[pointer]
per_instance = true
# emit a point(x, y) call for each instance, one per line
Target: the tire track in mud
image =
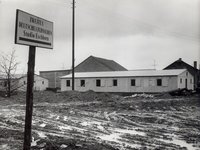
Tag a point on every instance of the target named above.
point(123, 129)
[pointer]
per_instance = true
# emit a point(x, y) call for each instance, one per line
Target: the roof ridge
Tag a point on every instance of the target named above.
point(102, 58)
point(170, 72)
point(181, 61)
point(105, 63)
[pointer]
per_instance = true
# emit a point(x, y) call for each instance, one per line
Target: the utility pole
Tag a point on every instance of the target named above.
point(154, 64)
point(73, 41)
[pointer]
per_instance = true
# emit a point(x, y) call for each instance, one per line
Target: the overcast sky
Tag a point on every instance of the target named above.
point(134, 33)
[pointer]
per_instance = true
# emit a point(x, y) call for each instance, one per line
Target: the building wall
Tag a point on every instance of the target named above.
point(142, 84)
point(2, 85)
point(186, 77)
point(179, 64)
point(40, 84)
point(54, 77)
point(20, 84)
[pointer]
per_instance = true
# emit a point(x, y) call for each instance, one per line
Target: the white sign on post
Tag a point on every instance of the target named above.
point(33, 31)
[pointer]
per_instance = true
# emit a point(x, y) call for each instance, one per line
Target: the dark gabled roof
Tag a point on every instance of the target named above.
point(92, 64)
point(114, 66)
point(179, 64)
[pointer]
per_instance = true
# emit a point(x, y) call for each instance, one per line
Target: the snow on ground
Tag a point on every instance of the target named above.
point(123, 125)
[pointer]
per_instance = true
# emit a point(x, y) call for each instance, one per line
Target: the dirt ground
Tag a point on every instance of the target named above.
point(102, 121)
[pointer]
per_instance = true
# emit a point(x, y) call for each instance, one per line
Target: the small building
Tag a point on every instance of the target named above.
point(53, 77)
point(19, 83)
point(91, 64)
point(148, 81)
point(193, 70)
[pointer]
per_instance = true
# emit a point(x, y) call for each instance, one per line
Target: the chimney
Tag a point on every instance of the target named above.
point(195, 64)
point(180, 59)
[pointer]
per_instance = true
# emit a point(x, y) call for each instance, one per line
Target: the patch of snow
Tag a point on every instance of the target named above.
point(34, 142)
point(114, 137)
point(65, 118)
point(128, 131)
point(41, 134)
point(65, 127)
point(100, 127)
point(34, 122)
point(140, 95)
point(92, 124)
point(174, 128)
point(106, 115)
point(182, 143)
point(63, 146)
point(85, 123)
point(43, 125)
point(51, 116)
point(111, 137)
point(4, 147)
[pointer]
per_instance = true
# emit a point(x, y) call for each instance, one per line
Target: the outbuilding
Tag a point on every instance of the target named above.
point(19, 83)
point(193, 70)
point(139, 81)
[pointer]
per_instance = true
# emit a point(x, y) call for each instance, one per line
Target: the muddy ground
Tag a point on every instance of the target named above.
point(92, 121)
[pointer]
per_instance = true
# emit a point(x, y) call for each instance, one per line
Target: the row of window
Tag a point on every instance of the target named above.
point(34, 82)
point(181, 80)
point(114, 82)
point(5, 83)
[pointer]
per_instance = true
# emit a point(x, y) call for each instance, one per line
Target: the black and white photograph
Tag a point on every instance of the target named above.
point(100, 75)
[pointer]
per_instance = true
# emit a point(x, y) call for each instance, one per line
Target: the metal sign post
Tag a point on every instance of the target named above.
point(35, 32)
point(29, 98)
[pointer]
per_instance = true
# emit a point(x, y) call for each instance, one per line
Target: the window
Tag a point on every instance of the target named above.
point(67, 82)
point(24, 82)
point(114, 82)
point(191, 81)
point(98, 82)
point(132, 82)
point(42, 82)
point(82, 83)
point(159, 82)
point(181, 80)
point(151, 82)
point(186, 73)
point(5, 83)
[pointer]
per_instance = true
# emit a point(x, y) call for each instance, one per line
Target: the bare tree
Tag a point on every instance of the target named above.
point(8, 67)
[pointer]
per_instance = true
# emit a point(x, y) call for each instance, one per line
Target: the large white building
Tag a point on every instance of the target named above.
point(148, 81)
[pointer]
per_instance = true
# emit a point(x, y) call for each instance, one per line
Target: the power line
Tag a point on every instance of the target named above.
point(147, 26)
